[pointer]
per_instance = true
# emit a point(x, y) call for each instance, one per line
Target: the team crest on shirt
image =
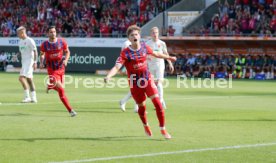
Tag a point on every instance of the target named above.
point(22, 48)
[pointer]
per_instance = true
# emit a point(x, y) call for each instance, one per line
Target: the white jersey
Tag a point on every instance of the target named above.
point(160, 47)
point(26, 48)
point(126, 44)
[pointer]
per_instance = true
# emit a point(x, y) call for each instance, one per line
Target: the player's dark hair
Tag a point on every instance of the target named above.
point(50, 27)
point(133, 28)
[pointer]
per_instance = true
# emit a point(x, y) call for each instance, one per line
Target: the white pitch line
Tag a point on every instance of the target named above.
point(47, 103)
point(170, 153)
point(111, 101)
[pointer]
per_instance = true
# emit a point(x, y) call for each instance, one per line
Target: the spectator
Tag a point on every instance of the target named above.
point(170, 31)
point(3, 60)
point(273, 23)
point(179, 63)
point(191, 62)
point(76, 14)
point(243, 17)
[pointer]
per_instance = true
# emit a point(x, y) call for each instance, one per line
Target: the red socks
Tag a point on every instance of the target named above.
point(159, 111)
point(63, 98)
point(142, 114)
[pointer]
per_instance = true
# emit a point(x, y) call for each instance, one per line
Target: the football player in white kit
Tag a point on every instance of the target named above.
point(156, 66)
point(28, 52)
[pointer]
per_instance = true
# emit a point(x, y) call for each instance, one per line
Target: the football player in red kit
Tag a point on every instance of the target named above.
point(140, 80)
point(52, 51)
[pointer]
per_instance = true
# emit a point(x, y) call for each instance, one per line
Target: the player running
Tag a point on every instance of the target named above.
point(156, 68)
point(157, 65)
point(124, 100)
point(140, 79)
point(52, 50)
point(28, 52)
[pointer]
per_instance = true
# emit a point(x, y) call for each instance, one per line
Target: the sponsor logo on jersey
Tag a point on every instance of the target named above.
point(138, 65)
point(54, 55)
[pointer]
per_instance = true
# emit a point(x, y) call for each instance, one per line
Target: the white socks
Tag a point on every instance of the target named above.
point(33, 95)
point(126, 98)
point(160, 91)
point(162, 128)
point(26, 93)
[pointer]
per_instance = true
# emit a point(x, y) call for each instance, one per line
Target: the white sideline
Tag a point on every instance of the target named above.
point(170, 153)
point(173, 99)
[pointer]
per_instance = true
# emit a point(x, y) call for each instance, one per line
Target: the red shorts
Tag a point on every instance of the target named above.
point(55, 76)
point(139, 93)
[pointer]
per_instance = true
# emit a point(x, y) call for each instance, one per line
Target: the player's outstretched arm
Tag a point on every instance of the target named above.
point(164, 56)
point(171, 68)
point(112, 72)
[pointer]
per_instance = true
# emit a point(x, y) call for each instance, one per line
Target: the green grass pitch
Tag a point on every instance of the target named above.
point(207, 125)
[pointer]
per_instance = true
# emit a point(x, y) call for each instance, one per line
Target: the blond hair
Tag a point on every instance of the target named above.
point(20, 28)
point(153, 28)
point(133, 28)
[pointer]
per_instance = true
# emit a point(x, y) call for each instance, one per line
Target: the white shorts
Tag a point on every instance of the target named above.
point(27, 70)
point(157, 70)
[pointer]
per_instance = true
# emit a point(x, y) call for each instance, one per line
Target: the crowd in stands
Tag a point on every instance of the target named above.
point(223, 65)
point(243, 17)
point(86, 18)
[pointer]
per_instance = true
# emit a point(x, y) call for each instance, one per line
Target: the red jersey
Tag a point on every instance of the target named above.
point(135, 61)
point(54, 53)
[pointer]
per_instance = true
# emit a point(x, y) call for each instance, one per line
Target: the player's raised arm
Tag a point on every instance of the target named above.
point(171, 68)
point(119, 63)
point(159, 55)
point(164, 56)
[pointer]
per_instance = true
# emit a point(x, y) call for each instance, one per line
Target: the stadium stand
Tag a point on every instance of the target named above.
point(240, 18)
point(222, 65)
point(230, 18)
point(87, 18)
point(110, 18)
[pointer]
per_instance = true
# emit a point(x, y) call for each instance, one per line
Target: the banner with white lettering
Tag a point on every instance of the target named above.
point(87, 59)
point(82, 59)
point(180, 19)
point(72, 42)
